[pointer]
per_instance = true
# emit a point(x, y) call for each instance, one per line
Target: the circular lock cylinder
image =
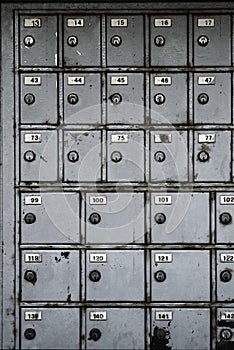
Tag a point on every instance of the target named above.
point(30, 276)
point(95, 334)
point(72, 98)
point(30, 218)
point(29, 156)
point(159, 99)
point(95, 276)
point(159, 41)
point(30, 333)
point(225, 218)
point(203, 156)
point(94, 218)
point(203, 98)
point(226, 334)
point(29, 41)
point(203, 40)
point(116, 99)
point(160, 156)
point(160, 218)
point(160, 276)
point(160, 333)
point(116, 41)
point(73, 156)
point(29, 99)
point(116, 156)
point(72, 41)
point(225, 276)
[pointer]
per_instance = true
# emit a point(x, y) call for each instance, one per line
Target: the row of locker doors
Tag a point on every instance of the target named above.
point(125, 328)
point(126, 154)
point(120, 275)
point(125, 96)
point(120, 218)
point(167, 40)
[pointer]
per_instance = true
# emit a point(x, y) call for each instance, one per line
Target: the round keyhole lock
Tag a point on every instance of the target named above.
point(30, 218)
point(29, 99)
point(226, 334)
point(225, 276)
point(116, 99)
point(160, 276)
point(30, 333)
point(203, 99)
point(116, 40)
point(203, 156)
point(29, 41)
point(225, 218)
point(159, 40)
point(160, 218)
point(94, 276)
point(159, 99)
point(72, 40)
point(160, 156)
point(30, 276)
point(95, 334)
point(72, 99)
point(160, 333)
point(116, 157)
point(73, 156)
point(95, 218)
point(29, 156)
point(203, 40)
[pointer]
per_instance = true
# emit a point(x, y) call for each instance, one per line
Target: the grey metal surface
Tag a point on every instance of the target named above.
point(189, 270)
point(61, 228)
point(58, 328)
point(187, 218)
point(122, 329)
point(58, 276)
point(45, 108)
point(131, 50)
point(122, 268)
point(122, 218)
point(194, 324)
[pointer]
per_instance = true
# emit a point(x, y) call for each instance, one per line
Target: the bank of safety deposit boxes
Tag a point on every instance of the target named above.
point(124, 178)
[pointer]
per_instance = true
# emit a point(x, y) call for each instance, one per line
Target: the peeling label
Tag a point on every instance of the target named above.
point(163, 138)
point(119, 138)
point(32, 22)
point(206, 138)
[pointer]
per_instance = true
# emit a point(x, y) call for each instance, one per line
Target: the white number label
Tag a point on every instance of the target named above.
point(206, 138)
point(123, 80)
point(162, 200)
point(98, 316)
point(226, 199)
point(164, 316)
point(97, 200)
point(32, 22)
point(227, 315)
point(97, 258)
point(118, 138)
point(163, 138)
point(32, 80)
point(32, 258)
point(163, 258)
point(119, 22)
point(75, 80)
point(227, 258)
point(206, 22)
point(32, 200)
point(33, 315)
point(162, 22)
point(206, 80)
point(32, 138)
point(162, 80)
point(75, 22)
